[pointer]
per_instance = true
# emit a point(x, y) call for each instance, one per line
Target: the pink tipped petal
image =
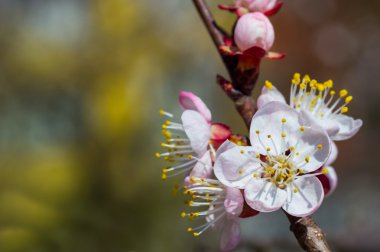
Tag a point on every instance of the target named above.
point(274, 10)
point(254, 29)
point(333, 154)
point(275, 55)
point(269, 95)
point(307, 199)
point(197, 130)
point(234, 201)
point(220, 132)
point(230, 235)
point(227, 7)
point(348, 127)
point(203, 168)
point(224, 147)
point(263, 196)
point(329, 181)
point(268, 121)
point(188, 100)
point(234, 169)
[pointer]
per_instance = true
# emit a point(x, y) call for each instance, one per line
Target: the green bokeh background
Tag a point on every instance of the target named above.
point(81, 83)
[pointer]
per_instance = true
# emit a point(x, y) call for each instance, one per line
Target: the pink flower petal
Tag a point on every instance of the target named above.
point(188, 100)
point(308, 198)
point(263, 196)
point(269, 95)
point(234, 201)
point(203, 168)
point(254, 29)
point(230, 235)
point(220, 132)
point(197, 130)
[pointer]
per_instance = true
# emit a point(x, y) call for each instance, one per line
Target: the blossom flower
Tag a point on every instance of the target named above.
point(278, 170)
point(223, 207)
point(253, 38)
point(191, 143)
point(241, 7)
point(329, 179)
point(318, 101)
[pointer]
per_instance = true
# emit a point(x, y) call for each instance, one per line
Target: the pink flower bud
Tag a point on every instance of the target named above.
point(256, 5)
point(254, 29)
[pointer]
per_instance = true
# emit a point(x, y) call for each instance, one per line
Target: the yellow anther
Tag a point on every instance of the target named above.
point(162, 144)
point(307, 159)
point(283, 175)
point(166, 133)
point(321, 115)
point(306, 78)
point(242, 151)
point(183, 214)
point(291, 148)
point(332, 92)
point(269, 136)
point(313, 84)
point(268, 85)
point(320, 146)
point(168, 122)
point(158, 155)
point(324, 170)
point(190, 156)
point(240, 171)
point(257, 131)
point(344, 110)
point(329, 83)
point(302, 128)
point(163, 126)
point(283, 135)
point(298, 105)
point(192, 179)
point(162, 112)
point(268, 149)
point(189, 229)
point(257, 155)
point(191, 203)
point(297, 153)
point(297, 76)
point(255, 175)
point(301, 171)
point(348, 99)
point(295, 190)
point(164, 176)
point(165, 170)
point(343, 93)
point(283, 120)
point(320, 87)
point(196, 234)
point(303, 86)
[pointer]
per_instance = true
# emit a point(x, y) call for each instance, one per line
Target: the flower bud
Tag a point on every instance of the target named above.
point(254, 29)
point(256, 5)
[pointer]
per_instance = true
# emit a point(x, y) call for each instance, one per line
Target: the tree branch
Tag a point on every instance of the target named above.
point(309, 235)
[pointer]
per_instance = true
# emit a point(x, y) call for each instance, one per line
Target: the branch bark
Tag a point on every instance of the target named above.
point(309, 235)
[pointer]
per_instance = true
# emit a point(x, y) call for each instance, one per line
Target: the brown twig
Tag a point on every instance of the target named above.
point(309, 235)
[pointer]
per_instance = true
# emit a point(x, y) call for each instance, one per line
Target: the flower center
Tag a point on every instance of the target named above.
point(280, 171)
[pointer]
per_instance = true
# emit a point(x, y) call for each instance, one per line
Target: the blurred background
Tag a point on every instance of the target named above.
point(81, 83)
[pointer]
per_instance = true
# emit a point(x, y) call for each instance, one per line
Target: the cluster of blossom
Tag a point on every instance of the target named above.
point(286, 161)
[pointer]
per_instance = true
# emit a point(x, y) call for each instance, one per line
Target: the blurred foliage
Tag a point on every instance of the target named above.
point(80, 86)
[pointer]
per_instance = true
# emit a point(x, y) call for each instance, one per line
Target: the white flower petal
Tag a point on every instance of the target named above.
point(329, 180)
point(268, 121)
point(269, 95)
point(203, 168)
point(224, 147)
point(263, 196)
point(235, 169)
point(308, 198)
point(234, 201)
point(197, 130)
point(348, 127)
point(230, 235)
point(333, 154)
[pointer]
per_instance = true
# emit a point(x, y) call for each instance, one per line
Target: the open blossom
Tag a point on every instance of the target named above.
point(329, 179)
point(241, 7)
point(191, 143)
point(326, 106)
point(219, 207)
point(278, 170)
